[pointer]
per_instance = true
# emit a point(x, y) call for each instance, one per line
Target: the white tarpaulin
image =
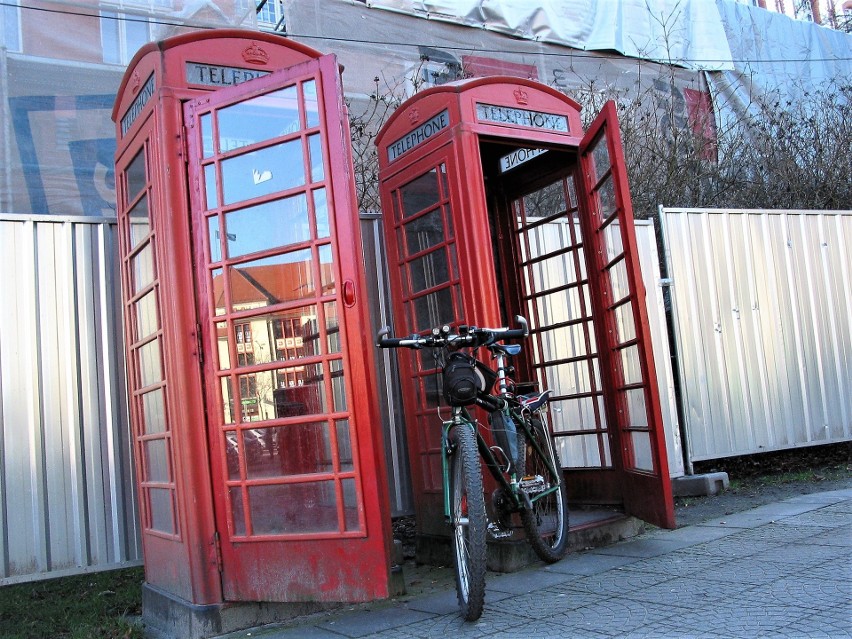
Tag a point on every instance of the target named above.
point(683, 32)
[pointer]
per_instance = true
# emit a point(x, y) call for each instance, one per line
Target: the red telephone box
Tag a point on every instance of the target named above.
point(497, 203)
point(259, 460)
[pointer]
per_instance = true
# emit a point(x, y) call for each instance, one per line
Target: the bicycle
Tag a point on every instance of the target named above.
point(523, 461)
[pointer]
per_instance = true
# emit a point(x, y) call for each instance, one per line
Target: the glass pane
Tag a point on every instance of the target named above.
point(618, 280)
point(238, 510)
point(315, 149)
point(156, 461)
point(321, 212)
point(344, 445)
point(332, 327)
point(265, 226)
point(161, 510)
point(207, 135)
point(150, 368)
point(294, 508)
point(279, 336)
point(135, 172)
point(259, 173)
point(429, 271)
point(142, 268)
point(218, 285)
point(350, 504)
point(282, 392)
point(563, 343)
point(210, 187)
point(215, 239)
point(311, 103)
point(262, 118)
point(228, 416)
point(424, 232)
point(421, 193)
point(297, 449)
point(338, 385)
point(624, 322)
point(272, 280)
point(327, 269)
point(581, 451)
point(544, 202)
point(572, 414)
point(636, 408)
point(433, 310)
point(600, 158)
point(606, 193)
point(631, 371)
point(140, 225)
point(146, 316)
point(153, 412)
point(642, 457)
point(613, 242)
point(232, 455)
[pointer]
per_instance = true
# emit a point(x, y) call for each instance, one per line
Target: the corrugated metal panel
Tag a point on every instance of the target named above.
point(68, 501)
point(761, 304)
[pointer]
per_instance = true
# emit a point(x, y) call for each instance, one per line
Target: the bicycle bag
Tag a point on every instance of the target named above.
point(464, 378)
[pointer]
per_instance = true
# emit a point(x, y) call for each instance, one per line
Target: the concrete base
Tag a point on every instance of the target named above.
point(700, 485)
point(166, 616)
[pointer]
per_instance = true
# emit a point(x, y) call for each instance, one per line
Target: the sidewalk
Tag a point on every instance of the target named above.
point(781, 570)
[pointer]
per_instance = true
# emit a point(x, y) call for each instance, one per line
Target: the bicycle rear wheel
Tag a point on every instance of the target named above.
point(469, 522)
point(546, 517)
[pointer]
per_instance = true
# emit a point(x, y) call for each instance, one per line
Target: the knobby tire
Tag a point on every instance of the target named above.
point(546, 523)
point(469, 522)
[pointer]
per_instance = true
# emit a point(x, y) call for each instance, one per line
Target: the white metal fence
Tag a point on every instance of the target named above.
point(762, 306)
point(67, 500)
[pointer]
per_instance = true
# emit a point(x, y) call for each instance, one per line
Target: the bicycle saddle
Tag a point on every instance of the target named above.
point(508, 349)
point(534, 401)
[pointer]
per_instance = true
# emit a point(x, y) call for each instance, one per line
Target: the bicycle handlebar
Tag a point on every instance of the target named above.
point(444, 337)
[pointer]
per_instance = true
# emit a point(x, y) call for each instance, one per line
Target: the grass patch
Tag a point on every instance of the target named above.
point(90, 606)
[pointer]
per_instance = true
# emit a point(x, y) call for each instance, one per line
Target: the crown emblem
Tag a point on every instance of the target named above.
point(521, 96)
point(255, 54)
point(414, 115)
point(135, 81)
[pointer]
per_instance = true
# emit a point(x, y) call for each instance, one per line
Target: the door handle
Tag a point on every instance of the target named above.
point(349, 293)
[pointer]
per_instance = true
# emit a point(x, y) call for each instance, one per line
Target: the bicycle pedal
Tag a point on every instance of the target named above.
point(498, 532)
point(533, 484)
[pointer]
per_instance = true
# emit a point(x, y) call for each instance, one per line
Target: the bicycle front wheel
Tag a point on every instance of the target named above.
point(469, 522)
point(545, 518)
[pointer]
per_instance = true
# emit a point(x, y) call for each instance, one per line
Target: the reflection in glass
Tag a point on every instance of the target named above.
point(294, 508)
point(420, 193)
point(424, 232)
point(618, 280)
point(150, 368)
point(332, 327)
point(606, 195)
point(218, 283)
point(271, 280)
point(642, 457)
point(624, 323)
point(268, 225)
point(135, 172)
point(295, 449)
point(142, 265)
point(262, 118)
point(545, 202)
point(153, 412)
point(630, 365)
point(215, 241)
point(636, 408)
point(321, 213)
point(228, 416)
point(238, 510)
point(210, 192)
point(600, 158)
point(207, 135)
point(161, 510)
point(146, 316)
point(140, 225)
point(327, 269)
point(232, 455)
point(156, 461)
point(315, 150)
point(338, 385)
point(311, 101)
point(350, 504)
point(282, 392)
point(221, 331)
point(344, 445)
point(429, 271)
point(433, 309)
point(262, 172)
point(279, 336)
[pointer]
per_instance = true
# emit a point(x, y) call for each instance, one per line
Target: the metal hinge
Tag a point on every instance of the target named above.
point(199, 350)
point(184, 148)
point(217, 543)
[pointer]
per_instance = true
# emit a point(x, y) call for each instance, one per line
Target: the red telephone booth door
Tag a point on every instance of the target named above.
point(297, 469)
point(624, 346)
